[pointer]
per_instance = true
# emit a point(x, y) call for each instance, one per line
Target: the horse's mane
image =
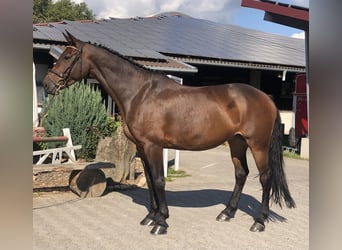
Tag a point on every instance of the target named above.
point(126, 58)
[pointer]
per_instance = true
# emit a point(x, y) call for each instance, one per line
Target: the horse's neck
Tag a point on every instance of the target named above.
point(120, 78)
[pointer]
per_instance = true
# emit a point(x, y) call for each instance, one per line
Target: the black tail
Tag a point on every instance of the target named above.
point(279, 188)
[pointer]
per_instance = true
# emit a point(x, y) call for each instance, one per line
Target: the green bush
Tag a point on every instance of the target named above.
point(81, 109)
point(112, 124)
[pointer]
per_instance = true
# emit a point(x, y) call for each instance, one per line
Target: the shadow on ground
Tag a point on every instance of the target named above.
point(202, 198)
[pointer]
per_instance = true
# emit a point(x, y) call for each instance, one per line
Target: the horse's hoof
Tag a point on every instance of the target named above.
point(223, 217)
point(257, 227)
point(158, 230)
point(147, 222)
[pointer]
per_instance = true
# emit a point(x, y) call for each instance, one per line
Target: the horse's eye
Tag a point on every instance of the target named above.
point(67, 57)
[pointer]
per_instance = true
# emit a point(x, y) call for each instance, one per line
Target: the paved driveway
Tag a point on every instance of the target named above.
point(63, 221)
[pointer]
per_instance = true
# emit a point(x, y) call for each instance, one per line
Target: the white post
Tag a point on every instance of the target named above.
point(35, 102)
point(66, 132)
point(177, 160)
point(110, 105)
point(165, 160)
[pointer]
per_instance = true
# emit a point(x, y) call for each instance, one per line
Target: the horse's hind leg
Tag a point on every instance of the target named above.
point(261, 160)
point(238, 149)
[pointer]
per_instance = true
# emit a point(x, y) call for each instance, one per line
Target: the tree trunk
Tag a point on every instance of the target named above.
point(92, 180)
point(120, 151)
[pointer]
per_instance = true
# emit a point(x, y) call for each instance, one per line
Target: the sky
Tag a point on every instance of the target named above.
point(221, 11)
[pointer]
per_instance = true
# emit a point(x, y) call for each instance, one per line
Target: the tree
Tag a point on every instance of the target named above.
point(40, 10)
point(46, 11)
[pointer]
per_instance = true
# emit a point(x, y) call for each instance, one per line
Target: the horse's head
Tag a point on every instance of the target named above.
point(68, 68)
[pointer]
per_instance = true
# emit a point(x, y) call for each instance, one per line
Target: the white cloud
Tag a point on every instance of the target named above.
point(120, 8)
point(303, 3)
point(215, 10)
point(300, 35)
point(221, 11)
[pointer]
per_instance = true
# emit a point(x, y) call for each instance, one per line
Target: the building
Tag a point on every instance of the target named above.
point(296, 17)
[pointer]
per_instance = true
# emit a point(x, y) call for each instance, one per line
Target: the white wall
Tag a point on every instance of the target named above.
point(287, 118)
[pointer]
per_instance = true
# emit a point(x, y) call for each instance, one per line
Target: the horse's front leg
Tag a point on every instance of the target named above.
point(150, 218)
point(153, 158)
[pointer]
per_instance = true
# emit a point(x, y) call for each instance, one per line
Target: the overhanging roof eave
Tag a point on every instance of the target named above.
point(170, 69)
point(281, 13)
point(240, 64)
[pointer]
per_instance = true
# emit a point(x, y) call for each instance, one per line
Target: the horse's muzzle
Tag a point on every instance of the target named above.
point(49, 86)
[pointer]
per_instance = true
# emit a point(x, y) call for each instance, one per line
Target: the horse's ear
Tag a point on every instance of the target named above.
point(66, 37)
point(71, 39)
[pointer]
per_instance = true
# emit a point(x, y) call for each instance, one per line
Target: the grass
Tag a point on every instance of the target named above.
point(292, 155)
point(172, 173)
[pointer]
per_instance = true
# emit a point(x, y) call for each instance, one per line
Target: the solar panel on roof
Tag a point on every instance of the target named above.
point(181, 35)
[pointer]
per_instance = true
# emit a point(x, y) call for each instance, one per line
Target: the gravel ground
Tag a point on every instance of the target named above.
point(61, 220)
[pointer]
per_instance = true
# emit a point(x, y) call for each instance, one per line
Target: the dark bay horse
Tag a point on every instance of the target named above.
point(205, 117)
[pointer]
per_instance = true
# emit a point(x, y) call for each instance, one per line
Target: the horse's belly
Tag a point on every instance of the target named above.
point(198, 138)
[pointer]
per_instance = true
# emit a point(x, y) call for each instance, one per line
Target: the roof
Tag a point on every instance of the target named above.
point(282, 13)
point(177, 36)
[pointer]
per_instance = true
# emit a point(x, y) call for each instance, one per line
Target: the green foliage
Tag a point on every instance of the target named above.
point(172, 173)
point(40, 10)
point(112, 124)
point(81, 109)
point(291, 155)
point(47, 11)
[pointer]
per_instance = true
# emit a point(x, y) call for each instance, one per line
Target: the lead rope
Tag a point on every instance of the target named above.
point(46, 111)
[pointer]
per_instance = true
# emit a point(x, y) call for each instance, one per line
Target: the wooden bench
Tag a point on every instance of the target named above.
point(38, 135)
